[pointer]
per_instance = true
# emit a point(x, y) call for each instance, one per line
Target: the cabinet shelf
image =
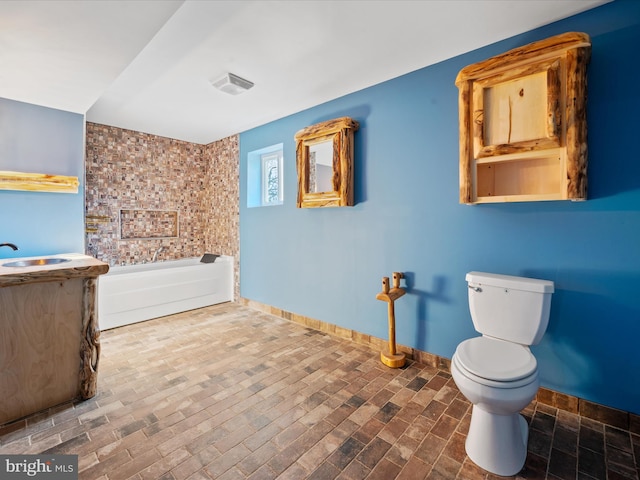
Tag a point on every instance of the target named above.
point(523, 129)
point(530, 176)
point(518, 198)
point(511, 157)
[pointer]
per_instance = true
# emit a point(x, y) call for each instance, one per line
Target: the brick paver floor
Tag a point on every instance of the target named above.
point(227, 392)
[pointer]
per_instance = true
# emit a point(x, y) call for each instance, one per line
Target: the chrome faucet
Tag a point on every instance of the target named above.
point(10, 245)
point(155, 255)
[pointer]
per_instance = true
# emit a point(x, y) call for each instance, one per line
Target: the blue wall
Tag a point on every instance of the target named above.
point(328, 263)
point(37, 139)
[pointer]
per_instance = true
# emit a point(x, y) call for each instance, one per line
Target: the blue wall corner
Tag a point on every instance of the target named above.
point(36, 139)
point(328, 263)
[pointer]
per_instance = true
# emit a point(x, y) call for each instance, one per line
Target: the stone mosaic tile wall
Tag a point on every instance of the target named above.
point(222, 201)
point(128, 170)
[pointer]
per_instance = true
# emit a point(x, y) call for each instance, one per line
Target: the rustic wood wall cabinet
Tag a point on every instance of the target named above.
point(324, 155)
point(523, 126)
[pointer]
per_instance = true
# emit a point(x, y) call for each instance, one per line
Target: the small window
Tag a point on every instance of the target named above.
point(272, 178)
point(265, 177)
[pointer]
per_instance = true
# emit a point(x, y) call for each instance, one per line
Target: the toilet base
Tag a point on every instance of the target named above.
point(497, 443)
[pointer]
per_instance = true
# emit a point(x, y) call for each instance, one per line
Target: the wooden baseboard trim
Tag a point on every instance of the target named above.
point(585, 408)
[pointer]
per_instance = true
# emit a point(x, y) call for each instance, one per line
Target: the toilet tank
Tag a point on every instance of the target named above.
point(511, 308)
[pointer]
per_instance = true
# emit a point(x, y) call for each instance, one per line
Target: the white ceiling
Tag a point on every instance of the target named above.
point(147, 65)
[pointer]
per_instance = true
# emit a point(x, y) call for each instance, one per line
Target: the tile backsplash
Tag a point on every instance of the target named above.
point(133, 171)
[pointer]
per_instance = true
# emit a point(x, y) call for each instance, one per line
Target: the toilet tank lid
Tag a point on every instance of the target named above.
point(509, 281)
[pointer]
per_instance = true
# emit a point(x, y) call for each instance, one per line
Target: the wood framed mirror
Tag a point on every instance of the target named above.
point(324, 155)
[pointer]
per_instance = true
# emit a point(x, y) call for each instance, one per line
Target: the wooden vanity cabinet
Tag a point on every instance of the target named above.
point(49, 334)
point(523, 127)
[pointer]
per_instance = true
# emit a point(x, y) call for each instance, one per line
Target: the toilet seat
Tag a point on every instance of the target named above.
point(498, 363)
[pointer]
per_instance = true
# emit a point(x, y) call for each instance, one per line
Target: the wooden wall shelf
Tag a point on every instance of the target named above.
point(523, 126)
point(38, 182)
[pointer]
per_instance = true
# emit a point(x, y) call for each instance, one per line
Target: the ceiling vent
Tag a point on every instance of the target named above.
point(232, 84)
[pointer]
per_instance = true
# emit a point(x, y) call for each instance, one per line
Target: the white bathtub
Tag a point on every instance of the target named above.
point(134, 293)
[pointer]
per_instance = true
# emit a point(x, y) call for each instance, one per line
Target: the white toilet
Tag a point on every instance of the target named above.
point(497, 372)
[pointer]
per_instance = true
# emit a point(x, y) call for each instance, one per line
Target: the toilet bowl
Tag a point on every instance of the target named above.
point(497, 372)
point(497, 438)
